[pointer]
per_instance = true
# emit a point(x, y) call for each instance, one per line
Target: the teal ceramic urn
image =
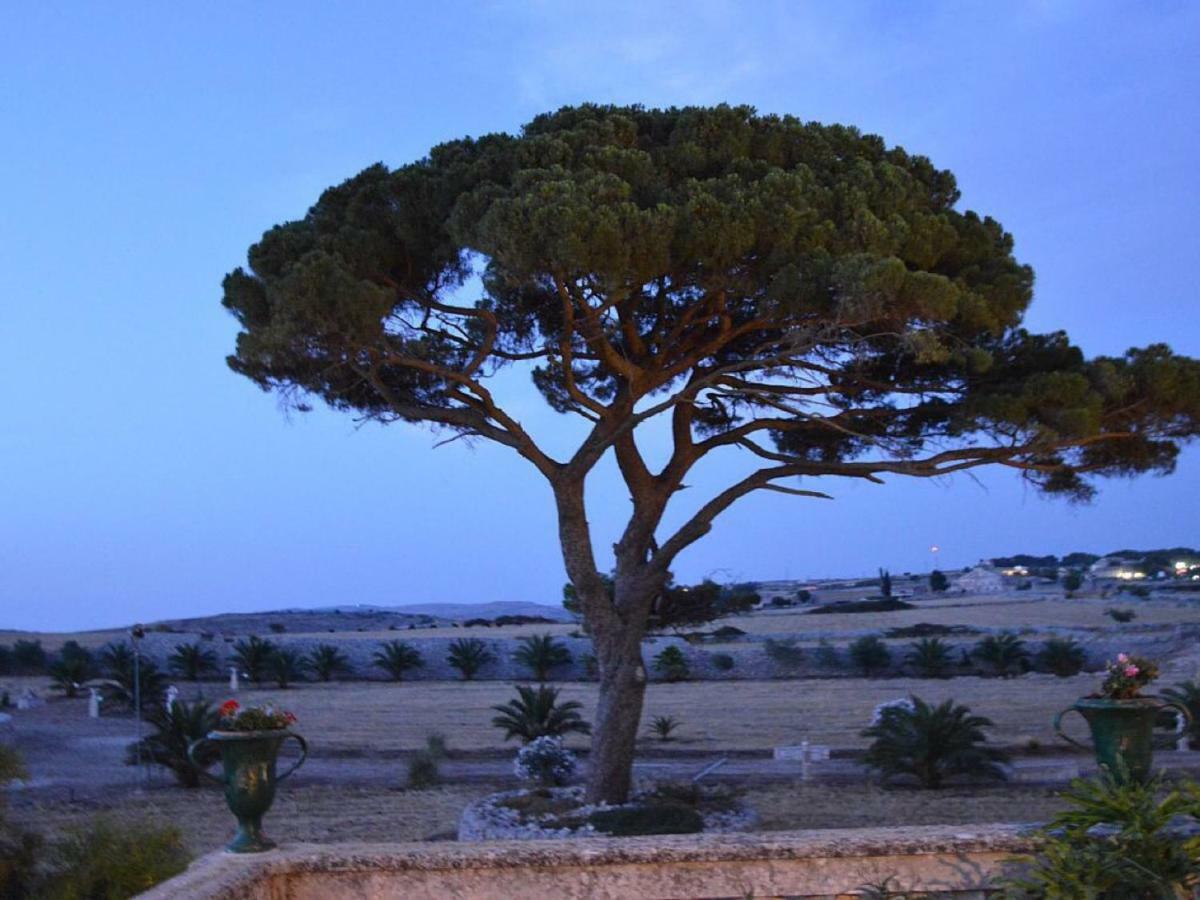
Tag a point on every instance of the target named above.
point(1122, 732)
point(248, 774)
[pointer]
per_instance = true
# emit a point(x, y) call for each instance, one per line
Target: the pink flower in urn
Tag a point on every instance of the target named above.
point(1122, 657)
point(1131, 671)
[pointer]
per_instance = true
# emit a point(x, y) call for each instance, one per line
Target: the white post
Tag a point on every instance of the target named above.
point(172, 696)
point(233, 679)
point(1181, 735)
point(94, 703)
point(804, 773)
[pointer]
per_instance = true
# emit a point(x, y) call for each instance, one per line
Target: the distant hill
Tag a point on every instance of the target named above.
point(461, 611)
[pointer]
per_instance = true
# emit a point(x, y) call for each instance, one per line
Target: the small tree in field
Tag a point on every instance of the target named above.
point(396, 658)
point(540, 654)
point(1072, 581)
point(469, 655)
point(326, 662)
point(801, 294)
point(938, 582)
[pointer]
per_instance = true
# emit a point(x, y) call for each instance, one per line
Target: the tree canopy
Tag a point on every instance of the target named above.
point(800, 293)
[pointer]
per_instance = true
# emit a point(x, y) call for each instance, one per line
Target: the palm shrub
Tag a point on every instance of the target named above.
point(1063, 657)
point(72, 669)
point(1187, 694)
point(253, 656)
point(286, 666)
point(396, 658)
point(663, 726)
point(535, 712)
point(469, 655)
point(326, 661)
point(870, 654)
point(1115, 842)
point(672, 665)
point(174, 730)
point(929, 657)
point(117, 661)
point(1004, 654)
point(192, 661)
point(931, 743)
point(540, 653)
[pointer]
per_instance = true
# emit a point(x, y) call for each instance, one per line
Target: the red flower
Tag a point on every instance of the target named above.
point(290, 717)
point(229, 707)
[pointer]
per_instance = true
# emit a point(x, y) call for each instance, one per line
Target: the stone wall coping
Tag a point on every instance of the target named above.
point(225, 876)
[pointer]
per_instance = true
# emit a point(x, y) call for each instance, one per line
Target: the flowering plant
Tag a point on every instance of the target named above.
point(544, 760)
point(1127, 676)
point(235, 717)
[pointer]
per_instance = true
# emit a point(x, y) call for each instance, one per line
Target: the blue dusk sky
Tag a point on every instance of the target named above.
point(146, 146)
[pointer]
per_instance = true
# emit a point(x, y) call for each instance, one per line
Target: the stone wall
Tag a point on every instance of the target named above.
point(960, 862)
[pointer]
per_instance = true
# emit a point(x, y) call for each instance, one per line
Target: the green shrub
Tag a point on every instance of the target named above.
point(870, 654)
point(19, 854)
point(6, 660)
point(827, 655)
point(12, 766)
point(174, 730)
point(649, 819)
point(1072, 581)
point(722, 662)
point(931, 743)
point(285, 666)
point(192, 661)
point(326, 661)
point(536, 712)
point(107, 861)
point(938, 582)
point(29, 658)
point(540, 653)
point(71, 670)
point(396, 658)
point(1115, 844)
point(663, 726)
point(424, 770)
point(436, 745)
point(929, 657)
point(469, 655)
point(672, 665)
point(253, 656)
point(1063, 657)
point(1003, 654)
point(1120, 615)
point(118, 662)
point(784, 652)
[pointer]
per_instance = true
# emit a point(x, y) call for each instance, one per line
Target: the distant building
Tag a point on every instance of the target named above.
point(980, 580)
point(1117, 567)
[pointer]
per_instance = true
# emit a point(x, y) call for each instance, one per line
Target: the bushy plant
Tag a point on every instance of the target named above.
point(827, 655)
point(253, 656)
point(111, 861)
point(536, 712)
point(1063, 657)
point(870, 654)
point(659, 818)
point(192, 661)
point(672, 665)
point(469, 655)
point(540, 653)
point(784, 652)
point(722, 662)
point(929, 657)
point(1120, 616)
point(396, 658)
point(424, 769)
point(938, 582)
point(326, 661)
point(7, 666)
point(72, 669)
point(931, 743)
point(1115, 843)
point(286, 666)
point(29, 658)
point(235, 717)
point(1072, 581)
point(663, 727)
point(174, 730)
point(545, 761)
point(1003, 654)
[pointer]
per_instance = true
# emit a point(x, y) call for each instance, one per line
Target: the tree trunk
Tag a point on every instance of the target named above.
point(618, 714)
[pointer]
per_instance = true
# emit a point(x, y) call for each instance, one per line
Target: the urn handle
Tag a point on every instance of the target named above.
point(1180, 708)
point(191, 755)
point(298, 763)
point(1066, 737)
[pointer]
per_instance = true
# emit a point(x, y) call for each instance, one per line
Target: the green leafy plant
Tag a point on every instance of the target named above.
point(931, 743)
point(29, 658)
point(536, 712)
point(870, 654)
point(672, 665)
point(1120, 615)
point(628, 821)
point(192, 661)
point(326, 661)
point(540, 653)
point(1072, 582)
point(469, 655)
point(930, 657)
point(1003, 654)
point(663, 727)
point(938, 582)
point(722, 662)
point(827, 655)
point(72, 669)
point(253, 656)
point(1115, 843)
point(174, 730)
point(108, 860)
point(286, 666)
point(1063, 657)
point(424, 769)
point(784, 652)
point(396, 658)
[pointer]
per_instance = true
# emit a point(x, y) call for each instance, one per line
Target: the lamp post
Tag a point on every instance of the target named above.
point(136, 633)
